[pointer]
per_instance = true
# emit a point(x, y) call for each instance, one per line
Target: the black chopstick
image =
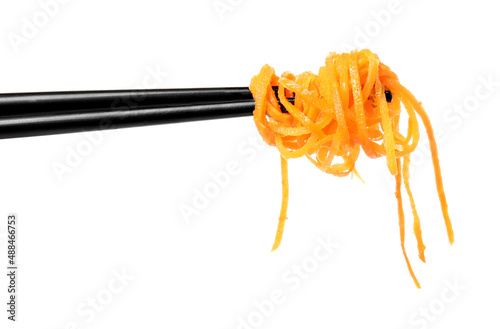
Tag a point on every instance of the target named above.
point(101, 119)
point(44, 102)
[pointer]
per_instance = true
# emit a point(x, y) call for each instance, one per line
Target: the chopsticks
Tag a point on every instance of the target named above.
point(48, 113)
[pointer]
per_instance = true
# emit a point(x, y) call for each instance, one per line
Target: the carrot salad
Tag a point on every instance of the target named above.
point(353, 104)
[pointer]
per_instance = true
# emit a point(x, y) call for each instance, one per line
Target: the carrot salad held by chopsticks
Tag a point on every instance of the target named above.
point(354, 103)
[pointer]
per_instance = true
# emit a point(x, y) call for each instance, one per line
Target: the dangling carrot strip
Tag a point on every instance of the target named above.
point(416, 220)
point(284, 204)
point(401, 216)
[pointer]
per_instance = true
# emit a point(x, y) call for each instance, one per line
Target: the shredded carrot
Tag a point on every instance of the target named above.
point(401, 216)
point(416, 220)
point(354, 103)
point(284, 203)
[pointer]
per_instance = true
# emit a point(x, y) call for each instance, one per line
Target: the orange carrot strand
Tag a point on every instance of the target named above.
point(284, 204)
point(401, 216)
point(416, 220)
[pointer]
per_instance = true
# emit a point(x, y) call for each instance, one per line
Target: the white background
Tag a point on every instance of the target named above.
point(117, 209)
